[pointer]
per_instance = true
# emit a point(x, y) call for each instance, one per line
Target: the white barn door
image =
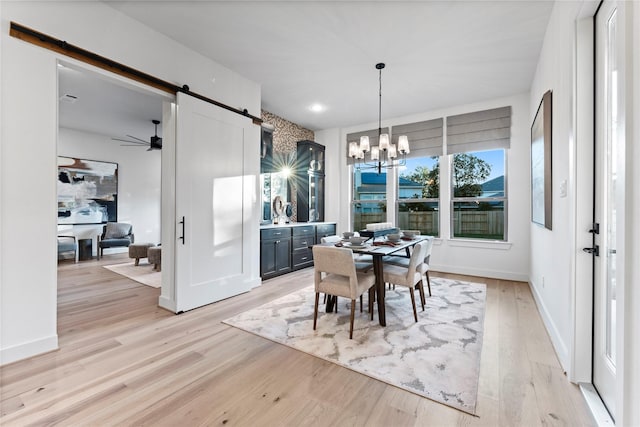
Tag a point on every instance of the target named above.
point(210, 180)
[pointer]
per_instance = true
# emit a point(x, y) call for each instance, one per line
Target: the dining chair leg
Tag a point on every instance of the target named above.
point(428, 282)
point(421, 289)
point(413, 302)
point(353, 315)
point(360, 303)
point(315, 310)
point(372, 294)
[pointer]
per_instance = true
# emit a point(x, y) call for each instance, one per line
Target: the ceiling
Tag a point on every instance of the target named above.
point(437, 53)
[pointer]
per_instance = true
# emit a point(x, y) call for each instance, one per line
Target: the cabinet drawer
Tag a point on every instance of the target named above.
point(305, 230)
point(275, 233)
point(302, 258)
point(323, 230)
point(303, 242)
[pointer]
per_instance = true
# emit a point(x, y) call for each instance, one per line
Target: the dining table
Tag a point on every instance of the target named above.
point(378, 248)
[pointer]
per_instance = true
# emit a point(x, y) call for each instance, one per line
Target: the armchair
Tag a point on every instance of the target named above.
point(115, 234)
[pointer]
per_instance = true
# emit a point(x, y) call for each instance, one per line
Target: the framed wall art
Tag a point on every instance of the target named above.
point(541, 185)
point(87, 191)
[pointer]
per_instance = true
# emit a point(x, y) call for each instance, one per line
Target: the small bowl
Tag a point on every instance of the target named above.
point(347, 234)
point(410, 233)
point(393, 237)
point(355, 240)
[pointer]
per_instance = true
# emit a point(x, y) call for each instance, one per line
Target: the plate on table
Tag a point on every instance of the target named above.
point(357, 246)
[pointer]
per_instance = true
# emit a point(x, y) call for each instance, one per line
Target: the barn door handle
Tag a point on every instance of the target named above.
point(182, 237)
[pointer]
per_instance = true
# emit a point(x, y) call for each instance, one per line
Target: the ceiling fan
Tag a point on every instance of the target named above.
point(154, 143)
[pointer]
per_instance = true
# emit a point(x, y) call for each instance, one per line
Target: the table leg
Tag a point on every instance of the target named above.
point(379, 273)
point(331, 300)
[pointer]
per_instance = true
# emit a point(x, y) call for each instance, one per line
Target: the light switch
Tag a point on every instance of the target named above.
point(563, 188)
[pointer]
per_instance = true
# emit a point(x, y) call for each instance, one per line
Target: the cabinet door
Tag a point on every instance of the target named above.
point(267, 258)
point(283, 255)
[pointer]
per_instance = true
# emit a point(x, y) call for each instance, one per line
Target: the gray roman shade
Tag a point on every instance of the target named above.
point(425, 138)
point(481, 130)
point(355, 137)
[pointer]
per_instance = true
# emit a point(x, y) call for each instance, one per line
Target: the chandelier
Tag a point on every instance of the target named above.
point(385, 154)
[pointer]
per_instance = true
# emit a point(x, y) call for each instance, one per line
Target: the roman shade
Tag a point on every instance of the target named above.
point(425, 138)
point(481, 130)
point(355, 137)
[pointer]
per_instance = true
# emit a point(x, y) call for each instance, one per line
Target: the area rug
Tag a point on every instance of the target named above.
point(437, 358)
point(143, 273)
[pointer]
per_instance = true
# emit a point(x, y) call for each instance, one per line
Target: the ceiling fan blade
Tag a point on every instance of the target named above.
point(130, 142)
point(145, 141)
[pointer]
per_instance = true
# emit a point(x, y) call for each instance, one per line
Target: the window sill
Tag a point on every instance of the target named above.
point(488, 244)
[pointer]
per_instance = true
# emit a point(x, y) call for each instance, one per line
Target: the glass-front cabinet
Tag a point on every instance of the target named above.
point(310, 181)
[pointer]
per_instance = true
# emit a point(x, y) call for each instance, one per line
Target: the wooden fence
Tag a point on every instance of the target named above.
point(465, 223)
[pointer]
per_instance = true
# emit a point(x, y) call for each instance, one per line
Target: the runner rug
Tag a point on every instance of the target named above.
point(437, 358)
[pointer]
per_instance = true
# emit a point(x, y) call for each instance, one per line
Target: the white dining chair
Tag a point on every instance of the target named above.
point(409, 276)
point(423, 267)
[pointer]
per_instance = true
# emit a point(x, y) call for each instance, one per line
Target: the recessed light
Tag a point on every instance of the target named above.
point(317, 108)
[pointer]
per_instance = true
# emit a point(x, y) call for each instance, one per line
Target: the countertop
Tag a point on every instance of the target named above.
point(294, 224)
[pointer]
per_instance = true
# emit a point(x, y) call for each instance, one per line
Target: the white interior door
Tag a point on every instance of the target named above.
point(607, 203)
point(210, 182)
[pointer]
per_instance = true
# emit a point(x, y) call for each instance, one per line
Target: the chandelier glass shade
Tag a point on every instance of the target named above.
point(385, 154)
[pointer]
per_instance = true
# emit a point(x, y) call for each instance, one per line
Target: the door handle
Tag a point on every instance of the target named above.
point(595, 250)
point(182, 237)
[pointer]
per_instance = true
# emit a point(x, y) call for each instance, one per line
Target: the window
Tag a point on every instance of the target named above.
point(369, 202)
point(478, 195)
point(418, 195)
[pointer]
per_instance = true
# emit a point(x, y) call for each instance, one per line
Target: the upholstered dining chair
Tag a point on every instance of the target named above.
point(68, 244)
point(423, 267)
point(115, 234)
point(335, 274)
point(409, 276)
point(364, 263)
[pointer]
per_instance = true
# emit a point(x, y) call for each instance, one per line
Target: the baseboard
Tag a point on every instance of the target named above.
point(492, 274)
point(558, 344)
point(29, 349)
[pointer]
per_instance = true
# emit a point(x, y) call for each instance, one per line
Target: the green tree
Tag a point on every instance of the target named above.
point(429, 178)
point(468, 172)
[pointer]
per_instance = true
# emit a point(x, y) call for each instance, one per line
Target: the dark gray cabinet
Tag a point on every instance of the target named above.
point(310, 181)
point(275, 252)
point(287, 248)
point(303, 238)
point(324, 230)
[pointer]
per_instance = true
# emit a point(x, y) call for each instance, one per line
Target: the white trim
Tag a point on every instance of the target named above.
point(562, 352)
point(598, 410)
point(492, 274)
point(28, 349)
point(484, 244)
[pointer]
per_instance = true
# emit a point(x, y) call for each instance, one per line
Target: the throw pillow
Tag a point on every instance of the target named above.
point(117, 230)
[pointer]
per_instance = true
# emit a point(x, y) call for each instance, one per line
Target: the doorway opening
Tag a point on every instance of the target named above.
point(109, 174)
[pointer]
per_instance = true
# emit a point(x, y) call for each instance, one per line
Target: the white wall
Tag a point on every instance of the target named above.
point(507, 260)
point(553, 250)
point(563, 295)
point(138, 179)
point(28, 145)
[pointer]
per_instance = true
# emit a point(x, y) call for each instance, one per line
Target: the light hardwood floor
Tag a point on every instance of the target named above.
point(124, 361)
